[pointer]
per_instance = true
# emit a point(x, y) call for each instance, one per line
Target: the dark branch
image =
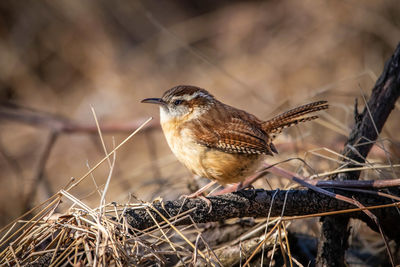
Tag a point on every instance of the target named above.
point(256, 203)
point(334, 233)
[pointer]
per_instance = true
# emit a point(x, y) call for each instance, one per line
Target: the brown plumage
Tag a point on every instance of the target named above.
point(235, 131)
point(218, 141)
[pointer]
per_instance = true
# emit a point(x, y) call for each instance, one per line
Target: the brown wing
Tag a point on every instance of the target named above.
point(232, 131)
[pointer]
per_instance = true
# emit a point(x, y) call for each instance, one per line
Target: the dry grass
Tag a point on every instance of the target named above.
point(61, 57)
point(90, 236)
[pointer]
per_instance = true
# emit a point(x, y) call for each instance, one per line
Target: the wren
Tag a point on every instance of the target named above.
point(217, 141)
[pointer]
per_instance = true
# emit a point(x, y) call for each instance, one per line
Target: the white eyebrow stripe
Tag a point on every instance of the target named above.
point(188, 97)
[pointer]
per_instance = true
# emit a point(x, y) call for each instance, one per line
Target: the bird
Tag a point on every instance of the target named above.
point(217, 141)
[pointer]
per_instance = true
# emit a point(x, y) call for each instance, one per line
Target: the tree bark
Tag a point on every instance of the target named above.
point(256, 203)
point(334, 233)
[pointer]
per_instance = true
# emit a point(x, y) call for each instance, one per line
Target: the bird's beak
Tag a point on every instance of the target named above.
point(158, 101)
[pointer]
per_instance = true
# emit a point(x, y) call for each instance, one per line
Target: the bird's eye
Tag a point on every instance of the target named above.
point(178, 102)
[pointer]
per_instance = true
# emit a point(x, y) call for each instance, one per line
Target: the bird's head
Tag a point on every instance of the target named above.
point(183, 102)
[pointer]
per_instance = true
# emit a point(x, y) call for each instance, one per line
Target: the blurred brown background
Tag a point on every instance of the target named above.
point(60, 57)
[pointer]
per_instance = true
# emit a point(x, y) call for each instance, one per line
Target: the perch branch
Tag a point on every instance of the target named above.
point(256, 203)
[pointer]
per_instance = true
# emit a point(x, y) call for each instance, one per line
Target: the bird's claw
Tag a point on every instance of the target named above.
point(194, 195)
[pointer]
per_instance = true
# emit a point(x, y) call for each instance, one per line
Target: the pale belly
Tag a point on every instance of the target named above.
point(225, 168)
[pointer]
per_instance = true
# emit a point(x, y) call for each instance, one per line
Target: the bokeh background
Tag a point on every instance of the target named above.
point(59, 58)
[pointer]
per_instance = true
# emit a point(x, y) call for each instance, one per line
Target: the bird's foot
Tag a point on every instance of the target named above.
point(240, 186)
point(200, 196)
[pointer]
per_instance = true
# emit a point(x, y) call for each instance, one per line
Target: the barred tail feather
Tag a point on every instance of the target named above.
point(292, 117)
